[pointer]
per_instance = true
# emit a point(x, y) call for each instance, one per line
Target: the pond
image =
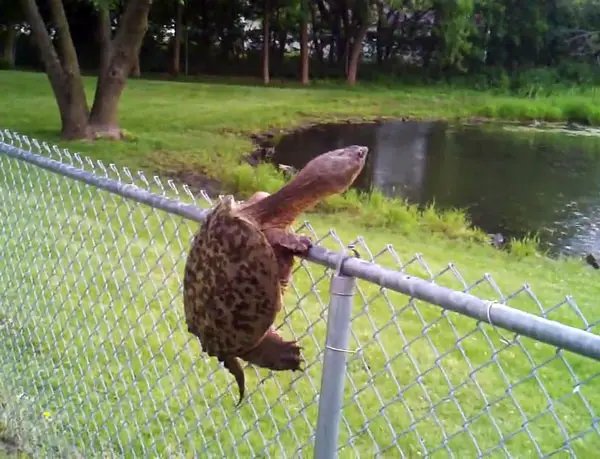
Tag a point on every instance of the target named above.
point(511, 179)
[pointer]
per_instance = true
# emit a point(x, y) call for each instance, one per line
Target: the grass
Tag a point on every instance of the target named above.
point(93, 341)
point(204, 128)
point(92, 336)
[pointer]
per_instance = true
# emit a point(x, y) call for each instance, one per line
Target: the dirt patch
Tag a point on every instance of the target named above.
point(169, 167)
point(259, 155)
point(10, 448)
point(197, 181)
point(269, 138)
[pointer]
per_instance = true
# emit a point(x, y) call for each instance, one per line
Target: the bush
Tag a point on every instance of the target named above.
point(581, 73)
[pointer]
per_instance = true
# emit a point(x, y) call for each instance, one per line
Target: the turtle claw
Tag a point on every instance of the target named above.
point(291, 359)
point(306, 242)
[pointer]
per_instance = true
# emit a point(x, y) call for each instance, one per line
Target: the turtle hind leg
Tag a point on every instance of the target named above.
point(235, 368)
point(275, 353)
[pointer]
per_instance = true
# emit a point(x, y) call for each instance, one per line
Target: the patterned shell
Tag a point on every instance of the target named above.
point(231, 288)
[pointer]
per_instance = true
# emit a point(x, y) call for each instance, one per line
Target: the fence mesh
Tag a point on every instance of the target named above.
point(95, 358)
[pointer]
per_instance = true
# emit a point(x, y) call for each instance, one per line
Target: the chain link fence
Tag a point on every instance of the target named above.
point(96, 361)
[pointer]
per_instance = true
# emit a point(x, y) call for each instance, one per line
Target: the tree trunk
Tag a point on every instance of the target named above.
point(135, 71)
point(266, 44)
point(124, 57)
point(8, 53)
point(315, 37)
point(304, 62)
point(356, 52)
point(332, 42)
point(390, 37)
point(379, 39)
point(175, 69)
point(65, 79)
point(344, 36)
point(105, 36)
point(334, 46)
point(282, 42)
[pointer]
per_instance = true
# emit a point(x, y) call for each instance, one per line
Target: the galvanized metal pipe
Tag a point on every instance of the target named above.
point(333, 375)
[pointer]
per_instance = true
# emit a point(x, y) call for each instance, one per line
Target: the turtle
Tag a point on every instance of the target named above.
point(240, 265)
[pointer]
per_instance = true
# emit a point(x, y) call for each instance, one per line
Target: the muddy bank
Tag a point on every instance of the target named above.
point(264, 148)
point(266, 141)
point(270, 137)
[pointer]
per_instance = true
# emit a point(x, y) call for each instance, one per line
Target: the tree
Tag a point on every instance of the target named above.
point(362, 16)
point(175, 69)
point(9, 32)
point(266, 43)
point(62, 67)
point(10, 21)
point(304, 53)
point(454, 29)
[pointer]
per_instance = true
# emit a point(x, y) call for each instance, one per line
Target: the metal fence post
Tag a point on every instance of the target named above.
point(334, 365)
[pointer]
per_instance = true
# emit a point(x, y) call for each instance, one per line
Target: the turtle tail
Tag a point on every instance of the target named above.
point(275, 353)
point(235, 368)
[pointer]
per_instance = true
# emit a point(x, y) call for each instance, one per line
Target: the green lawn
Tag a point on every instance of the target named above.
point(202, 129)
point(206, 125)
point(93, 345)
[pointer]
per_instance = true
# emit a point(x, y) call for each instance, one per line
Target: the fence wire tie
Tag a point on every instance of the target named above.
point(505, 340)
point(338, 269)
point(345, 351)
point(344, 256)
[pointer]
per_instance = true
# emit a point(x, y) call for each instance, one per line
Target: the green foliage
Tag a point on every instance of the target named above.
point(525, 247)
point(437, 40)
point(247, 179)
point(454, 29)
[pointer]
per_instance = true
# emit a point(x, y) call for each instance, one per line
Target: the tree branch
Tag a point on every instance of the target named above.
point(104, 35)
point(131, 31)
point(70, 64)
point(44, 42)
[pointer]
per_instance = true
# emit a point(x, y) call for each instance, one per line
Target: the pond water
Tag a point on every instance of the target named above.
point(511, 180)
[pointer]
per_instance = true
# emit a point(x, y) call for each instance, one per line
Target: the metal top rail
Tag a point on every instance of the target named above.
point(495, 313)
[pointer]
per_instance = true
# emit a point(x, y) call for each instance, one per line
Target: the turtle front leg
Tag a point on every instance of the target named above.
point(290, 242)
point(286, 245)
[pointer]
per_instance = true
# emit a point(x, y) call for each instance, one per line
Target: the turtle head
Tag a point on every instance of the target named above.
point(333, 172)
point(325, 175)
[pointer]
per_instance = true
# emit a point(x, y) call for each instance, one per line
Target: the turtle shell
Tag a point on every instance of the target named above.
point(231, 285)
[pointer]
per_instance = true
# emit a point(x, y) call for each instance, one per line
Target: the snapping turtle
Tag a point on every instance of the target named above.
point(241, 261)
